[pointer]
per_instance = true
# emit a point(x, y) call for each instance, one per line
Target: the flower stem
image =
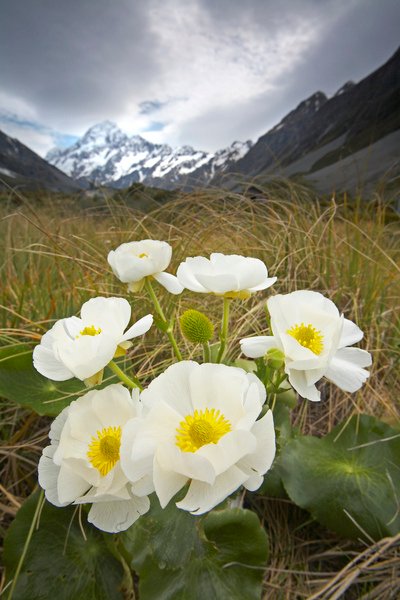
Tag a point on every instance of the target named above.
point(206, 352)
point(27, 542)
point(224, 329)
point(168, 326)
point(130, 382)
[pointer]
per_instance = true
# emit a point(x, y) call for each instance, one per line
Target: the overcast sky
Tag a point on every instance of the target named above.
point(198, 72)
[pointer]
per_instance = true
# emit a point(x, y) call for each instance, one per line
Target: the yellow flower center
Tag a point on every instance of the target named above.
point(203, 427)
point(307, 336)
point(90, 330)
point(143, 255)
point(103, 451)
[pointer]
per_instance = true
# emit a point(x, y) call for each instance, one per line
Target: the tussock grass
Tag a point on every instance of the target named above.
point(53, 258)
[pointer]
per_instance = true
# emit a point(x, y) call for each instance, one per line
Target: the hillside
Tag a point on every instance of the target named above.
point(336, 133)
point(22, 167)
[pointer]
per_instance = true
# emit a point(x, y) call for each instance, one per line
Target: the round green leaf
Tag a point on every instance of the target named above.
point(21, 383)
point(168, 536)
point(182, 557)
point(350, 479)
point(59, 562)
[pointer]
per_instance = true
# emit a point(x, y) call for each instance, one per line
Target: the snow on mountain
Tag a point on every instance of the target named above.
point(107, 156)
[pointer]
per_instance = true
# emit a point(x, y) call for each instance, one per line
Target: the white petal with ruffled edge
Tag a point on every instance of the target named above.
point(49, 366)
point(202, 497)
point(297, 380)
point(48, 476)
point(118, 515)
point(346, 368)
point(66, 471)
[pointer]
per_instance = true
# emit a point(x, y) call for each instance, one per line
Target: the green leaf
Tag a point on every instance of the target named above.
point(350, 479)
point(167, 535)
point(247, 365)
point(21, 383)
point(182, 557)
point(59, 563)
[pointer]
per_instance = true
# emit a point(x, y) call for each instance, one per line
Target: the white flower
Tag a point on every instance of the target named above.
point(232, 276)
point(82, 347)
point(199, 426)
point(82, 464)
point(133, 261)
point(314, 338)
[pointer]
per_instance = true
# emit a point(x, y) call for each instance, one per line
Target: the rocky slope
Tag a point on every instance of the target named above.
point(323, 132)
point(20, 166)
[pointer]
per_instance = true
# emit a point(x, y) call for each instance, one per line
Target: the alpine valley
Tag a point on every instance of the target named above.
point(347, 142)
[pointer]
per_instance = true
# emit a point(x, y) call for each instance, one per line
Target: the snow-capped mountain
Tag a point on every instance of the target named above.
point(107, 156)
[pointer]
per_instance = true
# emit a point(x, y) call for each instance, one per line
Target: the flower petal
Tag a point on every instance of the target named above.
point(202, 497)
point(138, 328)
point(218, 283)
point(351, 334)
point(48, 476)
point(264, 285)
point(262, 458)
point(297, 380)
point(187, 277)
point(117, 515)
point(166, 483)
point(221, 387)
point(346, 368)
point(48, 365)
point(144, 486)
point(70, 485)
point(88, 354)
point(229, 449)
point(172, 387)
point(257, 346)
point(169, 282)
point(190, 464)
point(112, 315)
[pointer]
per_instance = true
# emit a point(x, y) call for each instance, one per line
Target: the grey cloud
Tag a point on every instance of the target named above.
point(81, 57)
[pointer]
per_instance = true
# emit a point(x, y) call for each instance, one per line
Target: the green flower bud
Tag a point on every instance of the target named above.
point(196, 327)
point(275, 358)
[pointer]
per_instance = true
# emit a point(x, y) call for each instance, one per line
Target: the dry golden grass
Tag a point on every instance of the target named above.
point(53, 258)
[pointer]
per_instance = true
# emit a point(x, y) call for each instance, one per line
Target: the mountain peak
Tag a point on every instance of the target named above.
point(103, 132)
point(345, 88)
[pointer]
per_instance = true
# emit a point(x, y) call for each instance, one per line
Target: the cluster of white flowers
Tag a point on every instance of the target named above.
point(199, 429)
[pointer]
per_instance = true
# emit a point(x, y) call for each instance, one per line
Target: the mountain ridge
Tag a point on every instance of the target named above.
point(19, 165)
point(356, 117)
point(105, 155)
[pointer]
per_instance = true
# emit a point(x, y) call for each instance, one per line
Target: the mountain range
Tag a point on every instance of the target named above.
point(345, 142)
point(107, 156)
